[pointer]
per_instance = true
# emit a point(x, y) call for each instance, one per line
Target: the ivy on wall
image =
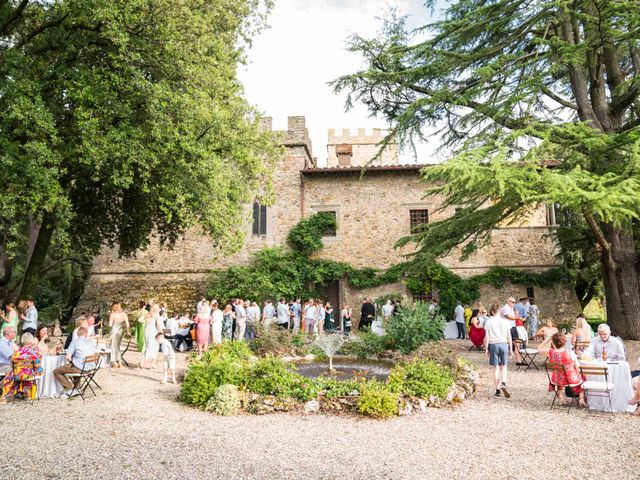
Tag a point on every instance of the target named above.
point(292, 272)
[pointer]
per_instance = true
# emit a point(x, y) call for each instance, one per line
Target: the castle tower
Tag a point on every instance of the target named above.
point(349, 150)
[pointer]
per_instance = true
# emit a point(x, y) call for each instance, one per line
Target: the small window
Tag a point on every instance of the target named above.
point(331, 231)
point(421, 297)
point(531, 293)
point(259, 219)
point(417, 218)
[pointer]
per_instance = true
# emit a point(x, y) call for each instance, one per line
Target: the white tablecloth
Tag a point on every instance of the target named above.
point(619, 375)
point(48, 386)
point(450, 330)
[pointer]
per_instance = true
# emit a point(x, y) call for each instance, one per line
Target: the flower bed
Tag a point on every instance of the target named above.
point(230, 379)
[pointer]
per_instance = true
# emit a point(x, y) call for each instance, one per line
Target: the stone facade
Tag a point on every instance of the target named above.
point(372, 211)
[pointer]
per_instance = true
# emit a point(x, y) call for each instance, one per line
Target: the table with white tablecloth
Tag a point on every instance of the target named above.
point(48, 386)
point(619, 374)
point(451, 330)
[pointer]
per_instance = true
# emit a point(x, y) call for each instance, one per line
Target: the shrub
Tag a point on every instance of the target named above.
point(205, 376)
point(225, 400)
point(232, 350)
point(377, 401)
point(276, 341)
point(440, 353)
point(333, 388)
point(413, 326)
point(421, 378)
point(365, 345)
point(270, 376)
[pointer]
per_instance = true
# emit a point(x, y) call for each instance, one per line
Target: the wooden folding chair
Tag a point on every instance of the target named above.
point(85, 377)
point(560, 370)
point(528, 354)
point(597, 388)
point(20, 365)
point(580, 347)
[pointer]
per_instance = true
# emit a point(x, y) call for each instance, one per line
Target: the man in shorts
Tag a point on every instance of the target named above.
point(498, 347)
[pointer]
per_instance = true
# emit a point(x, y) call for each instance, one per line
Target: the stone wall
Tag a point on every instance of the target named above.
point(372, 213)
point(365, 147)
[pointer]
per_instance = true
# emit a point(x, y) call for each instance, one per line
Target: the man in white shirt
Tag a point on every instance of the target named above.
point(433, 308)
point(507, 311)
point(253, 317)
point(458, 314)
point(283, 313)
point(268, 313)
point(387, 310)
point(79, 349)
point(310, 317)
point(498, 347)
point(241, 320)
point(605, 342)
point(30, 319)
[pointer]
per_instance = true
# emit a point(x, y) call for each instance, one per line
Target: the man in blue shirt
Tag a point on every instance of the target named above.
point(7, 349)
point(79, 349)
point(30, 320)
point(522, 307)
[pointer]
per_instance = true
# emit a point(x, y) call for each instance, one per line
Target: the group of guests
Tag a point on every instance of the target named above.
point(23, 316)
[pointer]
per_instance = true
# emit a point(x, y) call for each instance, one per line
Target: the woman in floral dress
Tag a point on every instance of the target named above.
point(22, 381)
point(227, 322)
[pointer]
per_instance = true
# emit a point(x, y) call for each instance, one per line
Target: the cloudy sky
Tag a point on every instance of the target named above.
point(291, 62)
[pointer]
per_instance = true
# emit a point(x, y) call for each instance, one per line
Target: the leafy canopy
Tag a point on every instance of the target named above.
point(123, 120)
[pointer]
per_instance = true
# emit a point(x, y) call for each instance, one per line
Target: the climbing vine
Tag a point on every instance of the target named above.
point(292, 272)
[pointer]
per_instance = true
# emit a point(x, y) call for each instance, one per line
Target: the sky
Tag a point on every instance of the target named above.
point(291, 62)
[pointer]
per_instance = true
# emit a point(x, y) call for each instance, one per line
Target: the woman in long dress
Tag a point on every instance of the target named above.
point(119, 323)
point(141, 324)
point(227, 322)
point(216, 324)
point(10, 319)
point(151, 345)
point(329, 324)
point(203, 327)
point(20, 379)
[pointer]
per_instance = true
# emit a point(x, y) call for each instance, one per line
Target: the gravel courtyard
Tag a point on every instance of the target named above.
point(134, 428)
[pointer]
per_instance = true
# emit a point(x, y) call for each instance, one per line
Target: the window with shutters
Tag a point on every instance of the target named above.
point(259, 219)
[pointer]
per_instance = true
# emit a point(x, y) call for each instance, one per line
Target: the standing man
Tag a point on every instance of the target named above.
point(30, 319)
point(498, 347)
point(509, 313)
point(310, 315)
point(268, 312)
point(253, 316)
point(283, 313)
point(367, 314)
point(458, 314)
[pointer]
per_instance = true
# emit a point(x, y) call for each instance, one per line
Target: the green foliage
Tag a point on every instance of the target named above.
point(270, 376)
point(377, 401)
point(394, 297)
point(529, 124)
point(114, 129)
point(224, 401)
point(421, 378)
point(306, 236)
point(365, 345)
point(440, 353)
point(332, 388)
point(276, 341)
point(412, 327)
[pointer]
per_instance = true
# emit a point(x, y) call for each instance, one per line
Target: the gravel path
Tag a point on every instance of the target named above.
point(135, 429)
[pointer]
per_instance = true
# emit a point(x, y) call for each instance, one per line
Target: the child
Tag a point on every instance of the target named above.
point(169, 358)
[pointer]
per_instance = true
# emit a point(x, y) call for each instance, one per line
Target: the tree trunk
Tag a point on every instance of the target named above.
point(622, 284)
point(37, 258)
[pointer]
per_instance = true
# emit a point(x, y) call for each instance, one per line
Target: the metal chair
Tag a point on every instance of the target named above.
point(528, 354)
point(560, 370)
point(597, 388)
point(85, 377)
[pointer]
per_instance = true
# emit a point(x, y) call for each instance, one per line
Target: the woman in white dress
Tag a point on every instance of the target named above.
point(216, 323)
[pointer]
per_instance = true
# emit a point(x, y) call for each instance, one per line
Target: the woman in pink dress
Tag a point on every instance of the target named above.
point(565, 365)
point(203, 327)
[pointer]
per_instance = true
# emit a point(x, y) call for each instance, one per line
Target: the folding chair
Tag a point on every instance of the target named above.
point(560, 370)
point(528, 354)
point(85, 377)
point(20, 365)
point(580, 347)
point(597, 388)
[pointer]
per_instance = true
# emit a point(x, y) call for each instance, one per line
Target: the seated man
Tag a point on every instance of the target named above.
point(80, 348)
point(7, 349)
point(605, 342)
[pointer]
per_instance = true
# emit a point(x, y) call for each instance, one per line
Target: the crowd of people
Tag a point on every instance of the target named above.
point(502, 333)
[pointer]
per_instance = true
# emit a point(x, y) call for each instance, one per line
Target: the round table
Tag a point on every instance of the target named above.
point(48, 386)
point(619, 374)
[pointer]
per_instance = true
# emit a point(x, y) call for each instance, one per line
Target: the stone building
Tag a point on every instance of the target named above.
point(372, 212)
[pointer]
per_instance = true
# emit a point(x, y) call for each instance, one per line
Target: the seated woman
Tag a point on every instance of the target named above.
point(45, 344)
point(582, 333)
point(476, 331)
point(565, 365)
point(19, 381)
point(548, 330)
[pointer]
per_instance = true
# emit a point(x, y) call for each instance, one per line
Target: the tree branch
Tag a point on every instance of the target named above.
point(601, 239)
point(17, 13)
point(557, 98)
